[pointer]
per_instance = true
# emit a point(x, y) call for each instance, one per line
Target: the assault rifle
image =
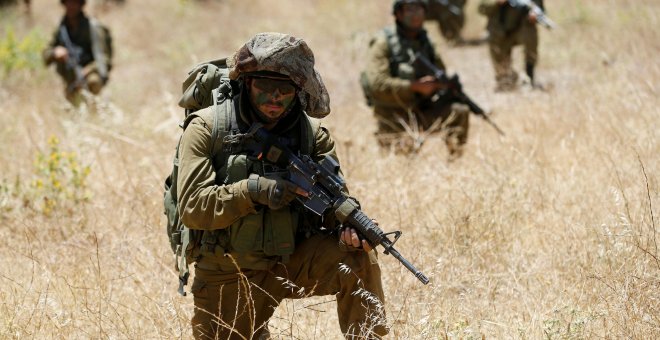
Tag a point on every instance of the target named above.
point(72, 60)
point(532, 7)
point(455, 89)
point(453, 9)
point(325, 188)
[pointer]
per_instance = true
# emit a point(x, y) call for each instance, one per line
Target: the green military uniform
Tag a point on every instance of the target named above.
point(450, 16)
point(390, 72)
point(507, 28)
point(252, 256)
point(90, 42)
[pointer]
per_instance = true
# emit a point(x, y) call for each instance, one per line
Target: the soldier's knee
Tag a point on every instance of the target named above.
point(94, 83)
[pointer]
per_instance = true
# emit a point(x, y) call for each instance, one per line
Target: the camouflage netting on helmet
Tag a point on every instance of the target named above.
point(288, 55)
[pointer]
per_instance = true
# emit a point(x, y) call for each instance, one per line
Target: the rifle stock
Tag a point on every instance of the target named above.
point(325, 188)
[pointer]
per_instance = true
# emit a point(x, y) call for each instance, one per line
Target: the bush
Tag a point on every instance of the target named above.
point(60, 180)
point(21, 54)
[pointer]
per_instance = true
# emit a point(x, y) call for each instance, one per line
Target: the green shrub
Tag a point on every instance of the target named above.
point(21, 54)
point(60, 181)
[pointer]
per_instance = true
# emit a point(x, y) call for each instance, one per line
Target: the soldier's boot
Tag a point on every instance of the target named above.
point(534, 83)
point(507, 82)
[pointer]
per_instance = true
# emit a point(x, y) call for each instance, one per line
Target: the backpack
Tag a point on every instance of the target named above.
point(101, 47)
point(207, 84)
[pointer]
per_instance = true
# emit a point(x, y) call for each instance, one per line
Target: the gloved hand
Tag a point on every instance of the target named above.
point(276, 193)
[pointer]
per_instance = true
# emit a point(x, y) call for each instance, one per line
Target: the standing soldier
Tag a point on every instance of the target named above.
point(402, 91)
point(82, 51)
point(509, 26)
point(257, 245)
point(450, 16)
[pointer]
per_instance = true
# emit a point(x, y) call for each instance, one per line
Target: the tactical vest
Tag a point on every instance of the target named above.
point(402, 53)
point(400, 62)
point(256, 241)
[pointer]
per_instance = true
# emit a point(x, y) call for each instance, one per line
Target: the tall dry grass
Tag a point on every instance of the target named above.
point(549, 232)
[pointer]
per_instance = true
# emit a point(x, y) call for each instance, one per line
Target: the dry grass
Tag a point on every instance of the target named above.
point(549, 232)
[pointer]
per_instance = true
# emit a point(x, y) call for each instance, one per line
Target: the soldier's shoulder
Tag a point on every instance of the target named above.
point(203, 117)
point(381, 37)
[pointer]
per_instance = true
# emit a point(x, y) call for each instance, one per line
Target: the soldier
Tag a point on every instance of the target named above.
point(508, 27)
point(450, 16)
point(403, 92)
point(241, 205)
point(82, 50)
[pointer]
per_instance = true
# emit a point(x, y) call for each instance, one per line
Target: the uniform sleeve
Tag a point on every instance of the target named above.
point(438, 60)
point(47, 53)
point(324, 145)
point(384, 86)
point(202, 204)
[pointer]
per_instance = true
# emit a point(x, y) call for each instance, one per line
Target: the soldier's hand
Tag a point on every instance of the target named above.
point(276, 193)
point(349, 237)
point(60, 54)
point(425, 86)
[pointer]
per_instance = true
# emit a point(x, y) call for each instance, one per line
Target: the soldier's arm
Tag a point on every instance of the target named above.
point(48, 53)
point(383, 84)
point(201, 203)
point(438, 60)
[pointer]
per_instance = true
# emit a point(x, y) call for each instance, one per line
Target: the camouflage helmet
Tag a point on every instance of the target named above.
point(396, 4)
point(287, 55)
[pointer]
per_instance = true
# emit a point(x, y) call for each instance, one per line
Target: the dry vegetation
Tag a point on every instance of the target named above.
point(549, 232)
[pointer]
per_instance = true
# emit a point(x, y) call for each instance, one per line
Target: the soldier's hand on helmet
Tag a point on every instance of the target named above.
point(425, 86)
point(276, 193)
point(60, 53)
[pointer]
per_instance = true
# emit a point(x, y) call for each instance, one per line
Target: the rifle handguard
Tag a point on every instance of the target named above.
point(345, 210)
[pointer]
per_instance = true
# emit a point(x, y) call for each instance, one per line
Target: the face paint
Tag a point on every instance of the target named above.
point(272, 97)
point(412, 16)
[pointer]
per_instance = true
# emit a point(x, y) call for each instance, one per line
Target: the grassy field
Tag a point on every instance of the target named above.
point(549, 232)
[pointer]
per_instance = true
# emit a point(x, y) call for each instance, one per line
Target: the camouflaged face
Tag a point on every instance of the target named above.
point(288, 55)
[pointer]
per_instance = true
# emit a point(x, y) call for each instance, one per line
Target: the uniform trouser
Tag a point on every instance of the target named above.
point(450, 118)
point(501, 47)
point(231, 306)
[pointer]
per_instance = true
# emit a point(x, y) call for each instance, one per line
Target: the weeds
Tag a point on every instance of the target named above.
point(60, 181)
point(21, 54)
